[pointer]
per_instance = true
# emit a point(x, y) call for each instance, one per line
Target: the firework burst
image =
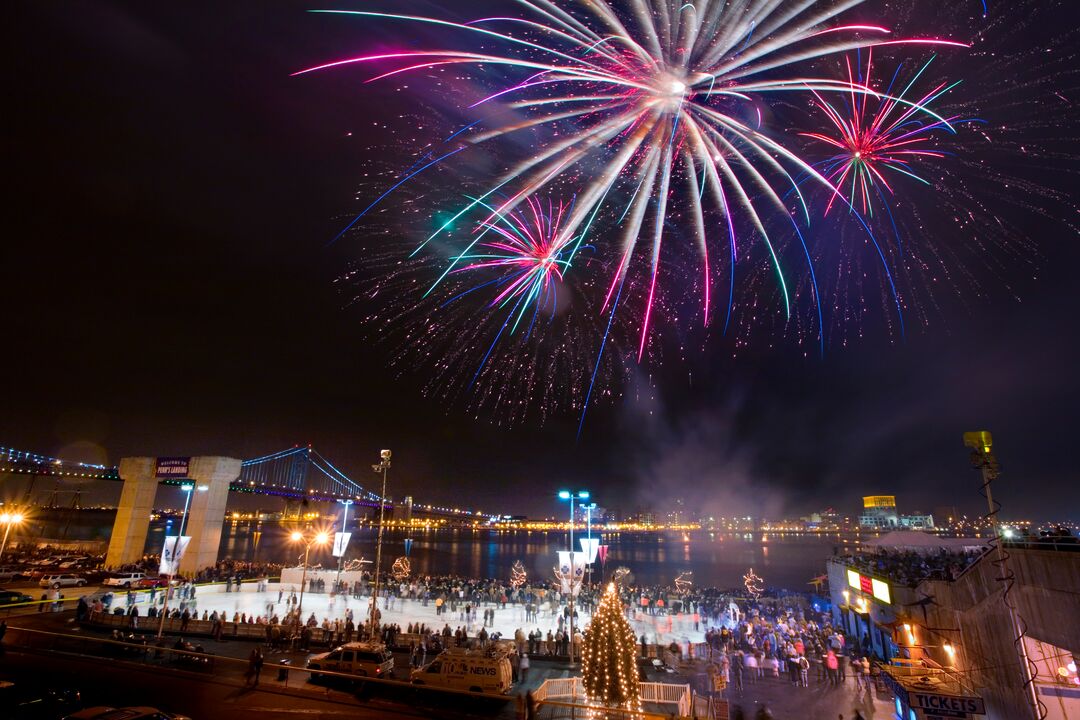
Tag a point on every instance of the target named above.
point(877, 139)
point(651, 114)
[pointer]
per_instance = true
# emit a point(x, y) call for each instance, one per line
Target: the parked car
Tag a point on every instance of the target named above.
point(124, 579)
point(357, 658)
point(59, 581)
point(149, 582)
point(10, 597)
point(8, 574)
point(22, 702)
point(128, 713)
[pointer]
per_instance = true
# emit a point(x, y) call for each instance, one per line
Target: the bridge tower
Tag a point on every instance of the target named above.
point(141, 475)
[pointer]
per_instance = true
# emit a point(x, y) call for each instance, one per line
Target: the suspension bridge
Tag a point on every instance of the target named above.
point(297, 473)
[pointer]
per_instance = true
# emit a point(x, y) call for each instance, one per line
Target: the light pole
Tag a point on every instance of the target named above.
point(8, 519)
point(588, 530)
point(320, 538)
point(383, 466)
point(567, 495)
point(175, 564)
point(344, 524)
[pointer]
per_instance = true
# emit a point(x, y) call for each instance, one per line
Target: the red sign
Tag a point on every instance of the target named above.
point(866, 584)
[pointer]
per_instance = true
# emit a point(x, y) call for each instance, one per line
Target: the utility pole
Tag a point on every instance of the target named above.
point(982, 457)
point(382, 466)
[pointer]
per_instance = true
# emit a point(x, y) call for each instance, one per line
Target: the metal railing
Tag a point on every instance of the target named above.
point(569, 693)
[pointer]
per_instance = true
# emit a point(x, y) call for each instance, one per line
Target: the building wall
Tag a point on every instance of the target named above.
point(969, 614)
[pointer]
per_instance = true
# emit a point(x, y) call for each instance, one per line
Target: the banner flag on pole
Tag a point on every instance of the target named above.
point(408, 546)
point(172, 553)
point(602, 550)
point(589, 548)
point(564, 571)
point(341, 541)
point(571, 571)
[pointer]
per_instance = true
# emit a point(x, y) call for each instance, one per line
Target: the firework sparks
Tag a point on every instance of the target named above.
point(530, 252)
point(650, 97)
point(873, 144)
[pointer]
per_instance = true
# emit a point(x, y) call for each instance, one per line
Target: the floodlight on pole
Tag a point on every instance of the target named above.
point(344, 525)
point(320, 538)
point(567, 495)
point(983, 459)
point(188, 488)
point(588, 530)
point(381, 467)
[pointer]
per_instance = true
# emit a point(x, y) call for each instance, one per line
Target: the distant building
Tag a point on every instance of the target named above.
point(596, 515)
point(879, 512)
point(644, 517)
point(678, 515)
point(917, 521)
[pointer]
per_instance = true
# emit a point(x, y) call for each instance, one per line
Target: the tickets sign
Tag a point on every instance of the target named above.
point(935, 704)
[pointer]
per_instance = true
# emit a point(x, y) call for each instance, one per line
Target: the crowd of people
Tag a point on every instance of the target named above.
point(909, 568)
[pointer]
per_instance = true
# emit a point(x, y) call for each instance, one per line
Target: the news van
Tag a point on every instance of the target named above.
point(469, 670)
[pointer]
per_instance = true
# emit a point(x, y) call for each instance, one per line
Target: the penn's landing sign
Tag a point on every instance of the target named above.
point(172, 467)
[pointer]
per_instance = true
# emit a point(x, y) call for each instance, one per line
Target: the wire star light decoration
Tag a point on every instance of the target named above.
point(401, 568)
point(754, 584)
point(684, 582)
point(518, 575)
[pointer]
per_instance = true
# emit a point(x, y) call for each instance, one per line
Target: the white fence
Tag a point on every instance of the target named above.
point(572, 691)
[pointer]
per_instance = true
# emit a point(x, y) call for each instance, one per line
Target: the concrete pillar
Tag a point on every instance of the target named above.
point(133, 516)
point(207, 512)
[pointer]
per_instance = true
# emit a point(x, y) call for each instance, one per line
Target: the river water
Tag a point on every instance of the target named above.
point(715, 559)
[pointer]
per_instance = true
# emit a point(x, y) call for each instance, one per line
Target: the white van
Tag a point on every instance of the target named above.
point(357, 658)
point(470, 670)
point(59, 581)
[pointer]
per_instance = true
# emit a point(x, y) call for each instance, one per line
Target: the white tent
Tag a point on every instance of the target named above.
point(922, 542)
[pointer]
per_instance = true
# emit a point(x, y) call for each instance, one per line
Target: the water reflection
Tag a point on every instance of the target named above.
point(716, 559)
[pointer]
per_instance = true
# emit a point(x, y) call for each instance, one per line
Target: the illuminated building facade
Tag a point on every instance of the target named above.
point(879, 512)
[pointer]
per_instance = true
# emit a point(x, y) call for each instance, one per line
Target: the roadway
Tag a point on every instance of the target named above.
point(103, 678)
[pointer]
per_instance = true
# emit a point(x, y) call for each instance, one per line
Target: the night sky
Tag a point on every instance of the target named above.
point(168, 290)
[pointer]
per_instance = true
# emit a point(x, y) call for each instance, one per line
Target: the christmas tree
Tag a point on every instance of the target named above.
point(609, 661)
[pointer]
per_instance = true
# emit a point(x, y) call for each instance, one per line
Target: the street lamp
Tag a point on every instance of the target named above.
point(320, 538)
point(567, 495)
point(175, 564)
point(588, 530)
point(382, 466)
point(344, 523)
point(8, 519)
